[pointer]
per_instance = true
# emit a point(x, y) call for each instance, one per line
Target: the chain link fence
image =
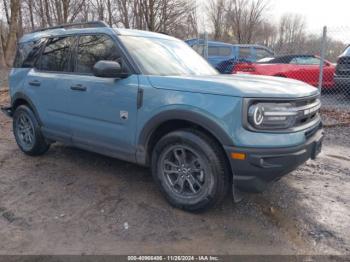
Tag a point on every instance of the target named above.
point(328, 68)
point(336, 98)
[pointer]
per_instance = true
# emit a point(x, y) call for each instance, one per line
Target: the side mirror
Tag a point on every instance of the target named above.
point(111, 69)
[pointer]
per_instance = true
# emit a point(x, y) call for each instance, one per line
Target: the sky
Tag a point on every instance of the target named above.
point(318, 13)
point(335, 14)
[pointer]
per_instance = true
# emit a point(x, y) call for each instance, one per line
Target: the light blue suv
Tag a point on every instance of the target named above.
point(150, 99)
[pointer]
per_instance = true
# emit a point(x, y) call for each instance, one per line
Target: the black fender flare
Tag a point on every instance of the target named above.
point(178, 114)
point(21, 96)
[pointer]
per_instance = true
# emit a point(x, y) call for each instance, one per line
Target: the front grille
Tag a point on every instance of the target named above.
point(343, 66)
point(307, 111)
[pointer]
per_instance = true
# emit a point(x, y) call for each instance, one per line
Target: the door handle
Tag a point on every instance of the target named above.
point(34, 83)
point(78, 88)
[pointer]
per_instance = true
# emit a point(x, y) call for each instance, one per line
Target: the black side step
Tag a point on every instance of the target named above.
point(7, 110)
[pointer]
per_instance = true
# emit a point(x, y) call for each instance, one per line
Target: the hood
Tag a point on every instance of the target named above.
point(236, 85)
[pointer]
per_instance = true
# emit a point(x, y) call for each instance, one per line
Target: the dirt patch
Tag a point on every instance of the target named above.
point(336, 117)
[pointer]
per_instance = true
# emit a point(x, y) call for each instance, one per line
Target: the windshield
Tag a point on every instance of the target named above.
point(165, 57)
point(346, 52)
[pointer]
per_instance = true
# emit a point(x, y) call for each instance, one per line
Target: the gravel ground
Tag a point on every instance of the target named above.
point(71, 201)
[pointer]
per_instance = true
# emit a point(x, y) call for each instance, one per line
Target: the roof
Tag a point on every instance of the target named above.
point(141, 33)
point(62, 31)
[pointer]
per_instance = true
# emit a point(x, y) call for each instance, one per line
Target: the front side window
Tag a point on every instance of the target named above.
point(167, 57)
point(93, 48)
point(56, 55)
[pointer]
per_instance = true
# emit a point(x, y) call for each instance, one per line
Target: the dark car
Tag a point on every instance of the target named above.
point(342, 72)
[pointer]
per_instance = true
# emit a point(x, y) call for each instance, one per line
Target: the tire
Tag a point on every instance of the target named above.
point(27, 132)
point(190, 170)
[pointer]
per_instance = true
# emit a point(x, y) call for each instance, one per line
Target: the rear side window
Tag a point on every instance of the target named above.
point(93, 48)
point(219, 51)
point(56, 55)
point(27, 54)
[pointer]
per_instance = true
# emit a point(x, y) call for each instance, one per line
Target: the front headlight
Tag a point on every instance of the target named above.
point(269, 116)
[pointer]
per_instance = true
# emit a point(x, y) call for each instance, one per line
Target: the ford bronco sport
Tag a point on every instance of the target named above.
point(150, 99)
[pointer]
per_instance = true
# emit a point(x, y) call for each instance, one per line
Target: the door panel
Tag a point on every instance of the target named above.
point(49, 87)
point(102, 110)
point(103, 116)
point(49, 96)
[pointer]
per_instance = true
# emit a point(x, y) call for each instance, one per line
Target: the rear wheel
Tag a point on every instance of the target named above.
point(27, 132)
point(190, 170)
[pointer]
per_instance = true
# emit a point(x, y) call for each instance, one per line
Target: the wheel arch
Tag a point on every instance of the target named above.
point(172, 120)
point(22, 99)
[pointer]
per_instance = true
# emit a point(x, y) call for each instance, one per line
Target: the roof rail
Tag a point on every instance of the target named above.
point(91, 24)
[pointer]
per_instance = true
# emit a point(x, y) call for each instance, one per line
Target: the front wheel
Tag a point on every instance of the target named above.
point(27, 132)
point(190, 170)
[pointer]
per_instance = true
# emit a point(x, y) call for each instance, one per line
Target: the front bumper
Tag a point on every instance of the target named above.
point(262, 166)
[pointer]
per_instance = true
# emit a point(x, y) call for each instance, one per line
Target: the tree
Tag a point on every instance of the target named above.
point(3, 64)
point(217, 16)
point(245, 17)
point(12, 36)
point(291, 34)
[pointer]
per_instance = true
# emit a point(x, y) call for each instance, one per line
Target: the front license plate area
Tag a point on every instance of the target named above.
point(317, 148)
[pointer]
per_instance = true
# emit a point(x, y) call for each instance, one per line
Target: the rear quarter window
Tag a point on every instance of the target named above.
point(27, 54)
